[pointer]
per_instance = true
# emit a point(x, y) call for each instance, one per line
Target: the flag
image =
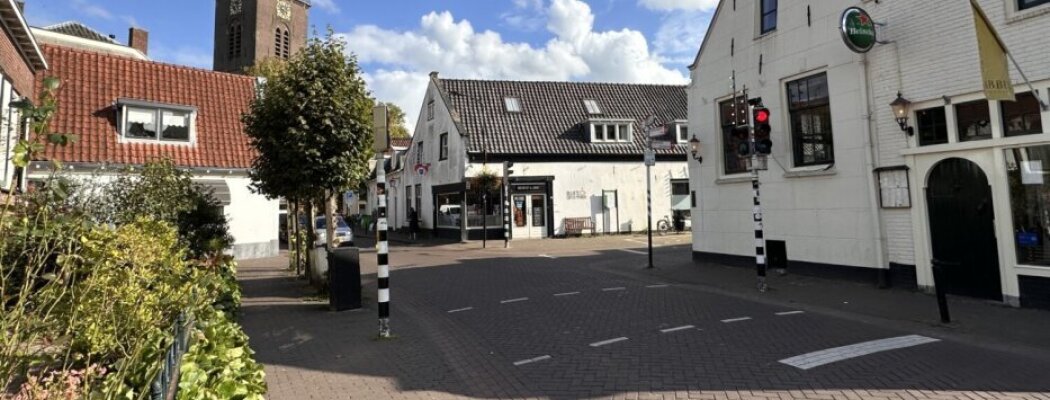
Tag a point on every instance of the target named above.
point(995, 72)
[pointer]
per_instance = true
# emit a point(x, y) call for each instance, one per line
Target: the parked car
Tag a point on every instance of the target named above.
point(343, 233)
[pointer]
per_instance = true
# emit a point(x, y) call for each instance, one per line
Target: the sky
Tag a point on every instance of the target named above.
point(399, 42)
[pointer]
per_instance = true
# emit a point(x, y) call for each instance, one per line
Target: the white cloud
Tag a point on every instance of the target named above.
point(575, 52)
point(668, 5)
point(92, 10)
point(327, 5)
point(527, 15)
point(679, 36)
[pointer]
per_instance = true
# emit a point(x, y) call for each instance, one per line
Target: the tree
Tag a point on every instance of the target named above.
point(312, 126)
point(398, 130)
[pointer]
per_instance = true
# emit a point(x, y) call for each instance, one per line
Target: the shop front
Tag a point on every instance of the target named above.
point(467, 213)
point(532, 207)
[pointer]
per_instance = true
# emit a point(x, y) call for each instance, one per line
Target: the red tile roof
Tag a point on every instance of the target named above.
point(401, 142)
point(92, 83)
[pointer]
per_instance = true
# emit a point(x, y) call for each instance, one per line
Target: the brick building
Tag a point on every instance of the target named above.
point(20, 59)
point(250, 31)
point(849, 191)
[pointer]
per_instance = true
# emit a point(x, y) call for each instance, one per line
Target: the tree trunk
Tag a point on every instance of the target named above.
point(310, 238)
point(329, 216)
point(293, 228)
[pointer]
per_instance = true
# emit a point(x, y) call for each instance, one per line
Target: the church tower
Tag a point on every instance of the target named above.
point(249, 31)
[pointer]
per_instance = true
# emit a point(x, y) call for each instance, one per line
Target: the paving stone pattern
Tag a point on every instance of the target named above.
point(311, 353)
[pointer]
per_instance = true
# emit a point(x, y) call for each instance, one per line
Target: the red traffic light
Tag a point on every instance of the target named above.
point(762, 116)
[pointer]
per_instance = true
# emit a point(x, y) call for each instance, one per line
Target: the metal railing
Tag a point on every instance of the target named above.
point(165, 385)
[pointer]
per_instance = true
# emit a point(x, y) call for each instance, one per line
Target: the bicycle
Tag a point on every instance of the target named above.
point(663, 225)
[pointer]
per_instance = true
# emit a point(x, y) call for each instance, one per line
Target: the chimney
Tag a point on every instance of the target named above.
point(138, 39)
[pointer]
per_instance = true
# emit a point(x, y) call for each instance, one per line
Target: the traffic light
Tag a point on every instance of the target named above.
point(763, 144)
point(507, 165)
point(741, 133)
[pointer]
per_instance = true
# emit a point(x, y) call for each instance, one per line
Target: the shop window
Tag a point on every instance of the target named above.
point(1026, 4)
point(932, 126)
point(1027, 171)
point(731, 116)
point(482, 211)
point(1022, 117)
point(972, 119)
point(449, 210)
point(810, 109)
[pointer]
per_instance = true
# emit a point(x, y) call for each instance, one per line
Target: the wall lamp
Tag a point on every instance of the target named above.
point(694, 149)
point(901, 109)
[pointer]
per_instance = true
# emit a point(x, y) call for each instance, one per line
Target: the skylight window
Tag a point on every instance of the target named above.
point(513, 104)
point(592, 107)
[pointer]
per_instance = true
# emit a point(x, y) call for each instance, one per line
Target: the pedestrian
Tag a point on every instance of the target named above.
point(413, 223)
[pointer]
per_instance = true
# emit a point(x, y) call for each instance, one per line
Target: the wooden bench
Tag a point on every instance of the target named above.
point(576, 226)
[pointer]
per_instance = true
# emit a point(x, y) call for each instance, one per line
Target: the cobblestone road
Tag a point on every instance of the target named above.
point(528, 326)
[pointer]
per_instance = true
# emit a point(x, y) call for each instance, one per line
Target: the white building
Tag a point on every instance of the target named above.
point(577, 150)
point(127, 111)
point(847, 190)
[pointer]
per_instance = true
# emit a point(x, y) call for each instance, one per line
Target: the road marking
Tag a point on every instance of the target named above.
point(531, 360)
point(790, 313)
point(660, 286)
point(613, 289)
point(607, 342)
point(676, 329)
point(731, 320)
point(633, 251)
point(566, 294)
point(547, 256)
point(514, 300)
point(828, 356)
point(460, 310)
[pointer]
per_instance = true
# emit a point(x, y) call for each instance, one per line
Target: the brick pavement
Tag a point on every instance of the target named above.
point(311, 353)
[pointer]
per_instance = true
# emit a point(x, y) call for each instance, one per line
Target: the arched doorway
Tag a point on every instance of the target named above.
point(962, 228)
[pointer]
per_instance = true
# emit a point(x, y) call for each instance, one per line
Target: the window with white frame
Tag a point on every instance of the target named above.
point(1026, 4)
point(611, 132)
point(513, 104)
point(159, 122)
point(592, 107)
point(682, 132)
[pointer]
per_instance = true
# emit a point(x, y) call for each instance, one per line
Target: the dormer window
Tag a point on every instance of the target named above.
point(513, 104)
point(144, 121)
point(682, 131)
point(611, 132)
point(592, 107)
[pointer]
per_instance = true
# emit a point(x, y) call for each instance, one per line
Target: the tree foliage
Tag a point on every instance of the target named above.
point(312, 124)
point(398, 129)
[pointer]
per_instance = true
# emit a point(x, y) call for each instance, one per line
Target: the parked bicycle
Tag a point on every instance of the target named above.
point(663, 226)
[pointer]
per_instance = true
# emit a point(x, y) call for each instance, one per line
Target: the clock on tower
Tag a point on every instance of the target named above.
point(284, 9)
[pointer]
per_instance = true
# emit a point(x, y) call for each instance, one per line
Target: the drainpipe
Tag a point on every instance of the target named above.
point(870, 158)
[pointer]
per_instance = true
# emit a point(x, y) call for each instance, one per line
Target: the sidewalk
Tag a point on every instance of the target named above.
point(979, 322)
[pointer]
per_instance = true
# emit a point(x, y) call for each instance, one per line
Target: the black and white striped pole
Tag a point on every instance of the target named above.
point(760, 240)
point(506, 203)
point(382, 246)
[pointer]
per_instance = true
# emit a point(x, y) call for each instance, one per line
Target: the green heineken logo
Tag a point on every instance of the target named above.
point(858, 30)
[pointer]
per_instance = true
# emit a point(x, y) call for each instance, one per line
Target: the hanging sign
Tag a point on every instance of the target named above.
point(858, 30)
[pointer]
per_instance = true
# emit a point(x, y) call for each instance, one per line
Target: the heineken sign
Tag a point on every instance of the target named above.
point(858, 30)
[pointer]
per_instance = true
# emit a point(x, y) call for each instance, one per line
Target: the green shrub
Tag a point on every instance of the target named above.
point(219, 364)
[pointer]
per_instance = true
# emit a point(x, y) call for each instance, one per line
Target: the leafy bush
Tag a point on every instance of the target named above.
point(219, 365)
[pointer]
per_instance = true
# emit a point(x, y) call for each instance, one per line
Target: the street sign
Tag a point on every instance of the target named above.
point(656, 131)
point(650, 158)
point(662, 145)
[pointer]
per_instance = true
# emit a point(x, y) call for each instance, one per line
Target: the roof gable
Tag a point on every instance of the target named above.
point(93, 82)
point(553, 119)
point(74, 28)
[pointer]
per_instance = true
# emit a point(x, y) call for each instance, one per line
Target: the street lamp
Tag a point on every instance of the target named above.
point(901, 109)
point(694, 149)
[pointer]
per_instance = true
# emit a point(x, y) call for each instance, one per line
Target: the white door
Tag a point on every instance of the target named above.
point(529, 216)
point(611, 215)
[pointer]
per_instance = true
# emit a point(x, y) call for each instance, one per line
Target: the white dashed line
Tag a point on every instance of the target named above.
point(547, 256)
point(460, 310)
point(660, 286)
point(531, 360)
point(633, 251)
point(828, 356)
point(614, 289)
point(731, 320)
point(514, 300)
point(607, 342)
point(567, 294)
point(790, 313)
point(676, 329)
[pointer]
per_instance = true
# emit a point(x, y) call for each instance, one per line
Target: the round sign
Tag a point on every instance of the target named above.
point(858, 30)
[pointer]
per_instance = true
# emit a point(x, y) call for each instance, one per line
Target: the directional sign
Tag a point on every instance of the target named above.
point(650, 158)
point(657, 131)
point(662, 145)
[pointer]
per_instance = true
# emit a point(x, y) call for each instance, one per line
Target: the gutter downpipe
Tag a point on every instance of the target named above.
point(870, 156)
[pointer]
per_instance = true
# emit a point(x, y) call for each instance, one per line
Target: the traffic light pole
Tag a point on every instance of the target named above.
point(506, 206)
point(760, 241)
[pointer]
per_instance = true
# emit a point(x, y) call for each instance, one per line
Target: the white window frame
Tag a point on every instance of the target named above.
point(592, 106)
point(158, 109)
point(678, 126)
point(512, 104)
point(622, 131)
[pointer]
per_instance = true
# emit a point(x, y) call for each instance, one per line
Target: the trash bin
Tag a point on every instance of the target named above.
point(344, 279)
